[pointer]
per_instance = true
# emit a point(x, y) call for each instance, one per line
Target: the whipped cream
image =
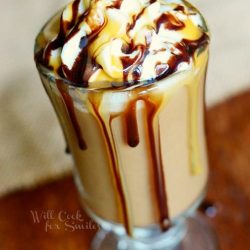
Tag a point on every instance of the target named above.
point(105, 43)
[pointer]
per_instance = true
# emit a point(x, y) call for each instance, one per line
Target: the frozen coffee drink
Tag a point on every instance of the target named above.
point(126, 79)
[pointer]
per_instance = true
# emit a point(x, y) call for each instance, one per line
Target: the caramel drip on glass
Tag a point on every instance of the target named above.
point(195, 154)
point(105, 122)
point(193, 96)
point(71, 112)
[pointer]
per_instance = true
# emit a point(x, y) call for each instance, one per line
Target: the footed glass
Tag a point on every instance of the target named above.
point(140, 155)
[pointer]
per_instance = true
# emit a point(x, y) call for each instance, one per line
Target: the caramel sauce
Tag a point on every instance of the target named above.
point(195, 154)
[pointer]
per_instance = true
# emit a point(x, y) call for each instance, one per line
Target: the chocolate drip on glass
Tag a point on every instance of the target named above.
point(131, 125)
point(130, 118)
point(156, 157)
point(105, 125)
point(153, 131)
point(71, 112)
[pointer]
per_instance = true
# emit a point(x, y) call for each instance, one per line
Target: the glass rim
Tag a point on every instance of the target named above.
point(142, 85)
point(114, 85)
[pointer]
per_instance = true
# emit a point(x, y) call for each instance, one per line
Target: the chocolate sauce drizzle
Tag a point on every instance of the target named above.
point(136, 62)
point(135, 19)
point(84, 66)
point(152, 108)
point(71, 112)
point(170, 22)
point(116, 4)
point(156, 156)
point(112, 153)
point(187, 49)
point(60, 39)
point(132, 134)
point(131, 125)
point(77, 73)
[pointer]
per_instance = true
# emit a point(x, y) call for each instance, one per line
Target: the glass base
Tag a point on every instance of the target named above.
point(192, 234)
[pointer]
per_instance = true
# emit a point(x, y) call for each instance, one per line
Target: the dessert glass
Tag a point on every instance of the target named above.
point(140, 154)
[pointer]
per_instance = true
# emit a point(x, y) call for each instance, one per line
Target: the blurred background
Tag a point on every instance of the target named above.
point(32, 146)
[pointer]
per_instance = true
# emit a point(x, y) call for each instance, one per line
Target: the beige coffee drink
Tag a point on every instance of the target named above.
point(126, 79)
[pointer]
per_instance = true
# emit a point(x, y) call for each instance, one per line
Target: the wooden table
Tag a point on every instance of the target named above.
point(228, 130)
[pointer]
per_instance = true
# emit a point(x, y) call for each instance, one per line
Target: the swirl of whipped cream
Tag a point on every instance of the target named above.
point(102, 42)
